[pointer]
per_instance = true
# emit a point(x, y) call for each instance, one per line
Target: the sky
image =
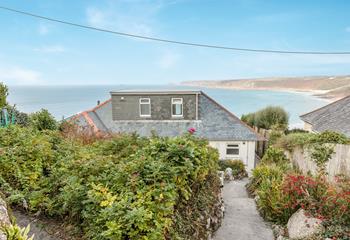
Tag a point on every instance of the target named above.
point(37, 52)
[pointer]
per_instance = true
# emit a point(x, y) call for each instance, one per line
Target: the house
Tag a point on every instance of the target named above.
point(172, 113)
point(332, 117)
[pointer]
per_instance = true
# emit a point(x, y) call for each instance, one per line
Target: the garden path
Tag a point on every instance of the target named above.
point(242, 220)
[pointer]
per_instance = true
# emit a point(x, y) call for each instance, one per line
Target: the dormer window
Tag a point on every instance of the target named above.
point(177, 107)
point(145, 107)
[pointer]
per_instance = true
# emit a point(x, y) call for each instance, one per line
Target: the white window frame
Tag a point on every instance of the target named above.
point(232, 146)
point(141, 103)
point(182, 107)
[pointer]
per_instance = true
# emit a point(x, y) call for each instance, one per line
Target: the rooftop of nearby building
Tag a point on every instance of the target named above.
point(334, 116)
point(154, 91)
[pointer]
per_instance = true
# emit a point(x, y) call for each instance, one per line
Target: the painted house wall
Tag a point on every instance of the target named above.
point(127, 107)
point(307, 127)
point(246, 151)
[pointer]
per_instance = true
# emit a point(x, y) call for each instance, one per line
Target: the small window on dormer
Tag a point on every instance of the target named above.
point(177, 107)
point(145, 107)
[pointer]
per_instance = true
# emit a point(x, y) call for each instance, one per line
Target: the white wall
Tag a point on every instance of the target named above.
point(246, 151)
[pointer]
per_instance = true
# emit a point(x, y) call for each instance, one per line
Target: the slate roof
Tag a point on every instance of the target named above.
point(333, 117)
point(215, 123)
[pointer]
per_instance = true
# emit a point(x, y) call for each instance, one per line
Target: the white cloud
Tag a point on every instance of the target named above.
point(135, 17)
point(169, 60)
point(19, 76)
point(51, 49)
point(43, 29)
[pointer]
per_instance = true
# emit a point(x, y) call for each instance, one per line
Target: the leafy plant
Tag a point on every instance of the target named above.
point(321, 154)
point(14, 232)
point(274, 155)
point(43, 120)
point(237, 166)
point(268, 118)
point(120, 187)
point(4, 92)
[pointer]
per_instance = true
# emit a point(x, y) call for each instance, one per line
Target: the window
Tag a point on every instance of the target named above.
point(176, 107)
point(145, 107)
point(232, 149)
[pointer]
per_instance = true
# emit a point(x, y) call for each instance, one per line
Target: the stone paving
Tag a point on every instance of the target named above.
point(242, 220)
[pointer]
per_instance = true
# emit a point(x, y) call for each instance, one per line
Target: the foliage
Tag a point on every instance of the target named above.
point(331, 137)
point(4, 92)
point(292, 140)
point(120, 187)
point(295, 130)
point(274, 155)
point(249, 119)
point(280, 192)
point(266, 182)
point(237, 166)
point(268, 118)
point(14, 232)
point(43, 120)
point(321, 154)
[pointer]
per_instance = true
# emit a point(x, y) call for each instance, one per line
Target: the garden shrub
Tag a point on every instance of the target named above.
point(266, 182)
point(292, 140)
point(4, 92)
point(121, 187)
point(43, 120)
point(237, 166)
point(268, 118)
point(14, 232)
point(274, 155)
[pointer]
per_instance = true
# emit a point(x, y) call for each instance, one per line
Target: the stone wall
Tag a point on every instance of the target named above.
point(4, 217)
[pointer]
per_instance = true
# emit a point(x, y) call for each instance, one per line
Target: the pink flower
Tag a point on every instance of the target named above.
point(191, 130)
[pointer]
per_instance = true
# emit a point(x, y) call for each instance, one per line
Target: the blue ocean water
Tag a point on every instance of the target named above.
point(64, 101)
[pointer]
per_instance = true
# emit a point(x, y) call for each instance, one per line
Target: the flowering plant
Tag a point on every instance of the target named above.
point(191, 130)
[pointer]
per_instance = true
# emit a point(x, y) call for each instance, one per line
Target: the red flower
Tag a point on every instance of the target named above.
point(191, 130)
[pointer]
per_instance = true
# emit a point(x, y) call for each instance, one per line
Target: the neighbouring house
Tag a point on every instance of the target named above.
point(172, 113)
point(332, 117)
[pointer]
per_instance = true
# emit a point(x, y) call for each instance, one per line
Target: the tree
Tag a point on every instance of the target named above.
point(3, 95)
point(43, 120)
point(271, 117)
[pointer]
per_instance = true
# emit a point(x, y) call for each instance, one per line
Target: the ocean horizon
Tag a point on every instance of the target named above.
point(65, 101)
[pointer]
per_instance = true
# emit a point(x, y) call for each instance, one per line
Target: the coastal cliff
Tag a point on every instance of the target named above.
point(330, 87)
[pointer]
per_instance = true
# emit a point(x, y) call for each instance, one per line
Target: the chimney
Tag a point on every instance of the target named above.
point(98, 102)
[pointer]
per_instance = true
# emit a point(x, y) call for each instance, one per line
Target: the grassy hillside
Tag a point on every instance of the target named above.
point(323, 86)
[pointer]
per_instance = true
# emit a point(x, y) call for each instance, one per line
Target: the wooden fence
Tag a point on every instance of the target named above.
point(338, 164)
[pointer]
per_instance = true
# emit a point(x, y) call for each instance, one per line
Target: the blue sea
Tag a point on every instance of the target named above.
point(64, 101)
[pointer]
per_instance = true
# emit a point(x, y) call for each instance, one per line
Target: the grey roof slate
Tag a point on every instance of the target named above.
point(215, 123)
point(333, 117)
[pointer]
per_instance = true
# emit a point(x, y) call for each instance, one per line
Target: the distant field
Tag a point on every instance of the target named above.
point(333, 87)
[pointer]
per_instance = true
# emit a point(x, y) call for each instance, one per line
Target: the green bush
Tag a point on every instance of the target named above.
point(4, 92)
point(43, 120)
point(124, 187)
point(237, 166)
point(274, 155)
point(268, 118)
point(292, 140)
point(14, 232)
point(266, 182)
point(331, 137)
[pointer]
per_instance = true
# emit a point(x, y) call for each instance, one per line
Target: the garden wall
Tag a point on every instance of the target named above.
point(338, 164)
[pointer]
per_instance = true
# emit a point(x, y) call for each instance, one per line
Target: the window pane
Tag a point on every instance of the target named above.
point(145, 109)
point(177, 109)
point(232, 151)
